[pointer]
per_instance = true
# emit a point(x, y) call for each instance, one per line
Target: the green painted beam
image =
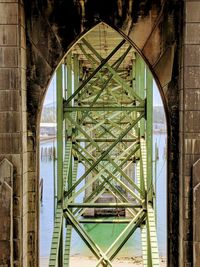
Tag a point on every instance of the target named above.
point(88, 241)
point(67, 247)
point(59, 78)
point(103, 62)
point(105, 153)
point(116, 77)
point(144, 243)
point(105, 140)
point(104, 108)
point(100, 190)
point(54, 259)
point(60, 189)
point(99, 174)
point(68, 236)
point(70, 166)
point(123, 237)
point(67, 163)
point(108, 129)
point(105, 84)
point(149, 133)
point(105, 220)
point(153, 242)
point(102, 205)
point(129, 232)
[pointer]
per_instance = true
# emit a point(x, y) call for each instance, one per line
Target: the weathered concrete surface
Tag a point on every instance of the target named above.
point(13, 126)
point(166, 34)
point(196, 212)
point(6, 204)
point(189, 130)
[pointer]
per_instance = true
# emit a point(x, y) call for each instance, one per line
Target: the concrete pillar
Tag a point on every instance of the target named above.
point(13, 122)
point(189, 146)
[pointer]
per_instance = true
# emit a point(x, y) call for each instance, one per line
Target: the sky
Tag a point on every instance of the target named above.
point(157, 101)
point(51, 94)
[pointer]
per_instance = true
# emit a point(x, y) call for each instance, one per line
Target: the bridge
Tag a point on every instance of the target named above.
point(36, 37)
point(104, 122)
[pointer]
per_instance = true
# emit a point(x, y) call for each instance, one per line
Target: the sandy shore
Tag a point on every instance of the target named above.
point(77, 261)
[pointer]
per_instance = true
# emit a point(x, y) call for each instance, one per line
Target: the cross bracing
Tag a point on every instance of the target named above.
point(104, 122)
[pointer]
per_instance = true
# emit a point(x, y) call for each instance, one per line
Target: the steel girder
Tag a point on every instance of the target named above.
point(104, 122)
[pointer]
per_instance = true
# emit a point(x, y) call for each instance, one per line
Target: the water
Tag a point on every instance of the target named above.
point(103, 234)
point(46, 209)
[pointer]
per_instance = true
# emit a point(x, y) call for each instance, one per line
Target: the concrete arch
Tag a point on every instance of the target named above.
point(158, 75)
point(35, 35)
point(47, 41)
point(49, 35)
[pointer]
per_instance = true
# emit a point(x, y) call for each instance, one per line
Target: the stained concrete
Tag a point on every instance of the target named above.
point(6, 204)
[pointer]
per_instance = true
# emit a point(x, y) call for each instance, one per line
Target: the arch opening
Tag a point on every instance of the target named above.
point(105, 152)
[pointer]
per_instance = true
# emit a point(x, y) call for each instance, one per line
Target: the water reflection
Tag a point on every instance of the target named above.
point(104, 232)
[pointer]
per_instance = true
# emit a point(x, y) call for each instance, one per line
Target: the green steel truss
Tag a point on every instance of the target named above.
point(104, 122)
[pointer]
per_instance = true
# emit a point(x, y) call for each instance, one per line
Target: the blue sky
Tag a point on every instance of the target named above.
point(157, 101)
point(51, 94)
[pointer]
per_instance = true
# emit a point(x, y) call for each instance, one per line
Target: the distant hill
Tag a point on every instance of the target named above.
point(49, 113)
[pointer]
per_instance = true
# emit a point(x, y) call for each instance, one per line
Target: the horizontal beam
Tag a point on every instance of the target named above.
point(103, 108)
point(102, 205)
point(105, 140)
point(105, 220)
point(106, 122)
point(120, 102)
point(81, 159)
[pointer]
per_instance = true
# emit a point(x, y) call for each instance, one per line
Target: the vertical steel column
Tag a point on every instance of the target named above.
point(137, 85)
point(155, 180)
point(59, 85)
point(67, 123)
point(68, 136)
point(149, 132)
point(59, 76)
point(141, 89)
point(54, 181)
point(76, 72)
point(149, 140)
point(69, 88)
point(75, 86)
point(72, 84)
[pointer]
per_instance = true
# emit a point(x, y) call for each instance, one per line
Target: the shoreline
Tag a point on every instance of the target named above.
point(87, 261)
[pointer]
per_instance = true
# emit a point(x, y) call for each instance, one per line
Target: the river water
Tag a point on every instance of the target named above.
point(103, 234)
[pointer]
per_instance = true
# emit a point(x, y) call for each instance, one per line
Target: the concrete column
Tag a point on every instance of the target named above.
point(13, 119)
point(189, 96)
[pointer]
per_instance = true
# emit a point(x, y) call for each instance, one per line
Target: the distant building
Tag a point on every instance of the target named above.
point(159, 127)
point(47, 129)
